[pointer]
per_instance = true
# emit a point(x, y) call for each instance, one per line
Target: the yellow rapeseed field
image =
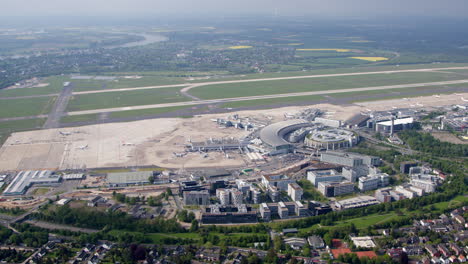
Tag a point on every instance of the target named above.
point(374, 59)
point(337, 50)
point(240, 47)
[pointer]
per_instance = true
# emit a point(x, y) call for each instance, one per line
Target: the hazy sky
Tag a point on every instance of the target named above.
point(316, 8)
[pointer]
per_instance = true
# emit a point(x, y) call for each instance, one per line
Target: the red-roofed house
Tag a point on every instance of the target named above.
point(337, 243)
point(369, 254)
point(340, 251)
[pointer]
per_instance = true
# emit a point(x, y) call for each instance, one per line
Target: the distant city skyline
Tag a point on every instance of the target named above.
point(365, 9)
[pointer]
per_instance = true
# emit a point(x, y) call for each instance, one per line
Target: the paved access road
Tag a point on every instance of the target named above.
point(53, 120)
point(226, 100)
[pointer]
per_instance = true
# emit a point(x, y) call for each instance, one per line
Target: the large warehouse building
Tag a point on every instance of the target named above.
point(25, 179)
point(274, 135)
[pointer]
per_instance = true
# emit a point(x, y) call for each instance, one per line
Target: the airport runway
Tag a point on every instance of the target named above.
point(189, 86)
point(59, 107)
point(272, 96)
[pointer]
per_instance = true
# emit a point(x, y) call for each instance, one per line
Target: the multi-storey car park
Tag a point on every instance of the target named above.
point(331, 138)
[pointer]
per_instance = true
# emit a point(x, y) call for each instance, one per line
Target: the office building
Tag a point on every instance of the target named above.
point(295, 191)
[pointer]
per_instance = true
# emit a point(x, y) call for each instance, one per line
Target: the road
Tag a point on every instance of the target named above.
point(189, 86)
point(259, 97)
point(53, 120)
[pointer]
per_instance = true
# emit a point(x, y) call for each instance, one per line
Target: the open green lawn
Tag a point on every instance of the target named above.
point(26, 107)
point(55, 86)
point(126, 98)
point(79, 118)
point(316, 84)
point(6, 128)
point(369, 220)
point(273, 101)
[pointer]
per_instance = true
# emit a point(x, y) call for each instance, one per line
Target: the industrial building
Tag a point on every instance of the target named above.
point(279, 181)
point(332, 189)
point(283, 210)
point(328, 122)
point(295, 191)
point(229, 196)
point(196, 197)
point(318, 208)
point(373, 182)
point(315, 177)
point(349, 159)
point(331, 139)
point(216, 214)
point(120, 179)
point(273, 136)
point(217, 145)
point(352, 174)
point(316, 242)
point(383, 195)
point(394, 125)
point(356, 202)
point(25, 179)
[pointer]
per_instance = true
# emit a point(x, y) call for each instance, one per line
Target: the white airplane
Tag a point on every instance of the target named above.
point(412, 105)
point(419, 104)
point(436, 95)
point(64, 133)
point(457, 94)
point(229, 108)
point(179, 155)
point(464, 100)
point(394, 107)
point(83, 147)
point(127, 144)
point(406, 99)
point(369, 110)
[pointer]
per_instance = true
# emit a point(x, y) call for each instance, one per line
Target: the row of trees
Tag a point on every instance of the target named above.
point(425, 142)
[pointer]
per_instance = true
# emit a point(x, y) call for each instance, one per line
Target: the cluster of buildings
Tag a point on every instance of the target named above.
point(423, 180)
point(447, 243)
point(355, 168)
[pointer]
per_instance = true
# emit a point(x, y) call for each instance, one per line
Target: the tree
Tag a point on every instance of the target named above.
point(194, 226)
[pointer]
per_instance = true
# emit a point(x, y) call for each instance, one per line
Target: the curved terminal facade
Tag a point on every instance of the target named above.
point(331, 138)
point(274, 135)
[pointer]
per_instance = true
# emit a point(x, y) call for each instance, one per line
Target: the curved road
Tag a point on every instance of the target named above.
point(226, 100)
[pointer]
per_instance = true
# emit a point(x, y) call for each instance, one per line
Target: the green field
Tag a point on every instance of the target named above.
point(218, 91)
point(79, 118)
point(8, 127)
point(273, 101)
point(55, 86)
point(26, 107)
point(91, 85)
point(126, 98)
point(294, 69)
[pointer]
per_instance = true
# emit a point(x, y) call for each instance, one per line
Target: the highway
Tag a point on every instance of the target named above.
point(271, 96)
point(189, 86)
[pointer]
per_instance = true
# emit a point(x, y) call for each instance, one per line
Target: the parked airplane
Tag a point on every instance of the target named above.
point(464, 100)
point(64, 133)
point(180, 155)
point(83, 147)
